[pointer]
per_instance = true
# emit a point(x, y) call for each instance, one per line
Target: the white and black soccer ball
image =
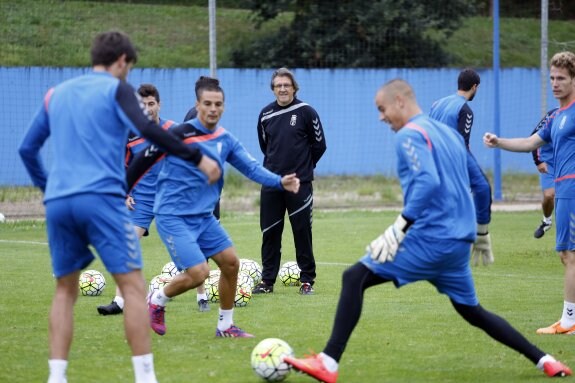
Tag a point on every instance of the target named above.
point(243, 293)
point(211, 285)
point(245, 279)
point(252, 268)
point(158, 282)
point(92, 283)
point(170, 269)
point(290, 274)
point(267, 359)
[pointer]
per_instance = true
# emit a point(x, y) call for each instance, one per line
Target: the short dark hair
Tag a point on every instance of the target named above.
point(107, 47)
point(467, 78)
point(147, 90)
point(206, 83)
point(285, 72)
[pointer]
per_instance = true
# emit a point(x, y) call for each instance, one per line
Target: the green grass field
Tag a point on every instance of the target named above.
point(406, 335)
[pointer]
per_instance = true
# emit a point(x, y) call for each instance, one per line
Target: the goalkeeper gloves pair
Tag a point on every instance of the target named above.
point(482, 247)
point(383, 248)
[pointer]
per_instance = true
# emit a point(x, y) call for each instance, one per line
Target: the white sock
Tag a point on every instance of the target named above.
point(159, 298)
point(203, 296)
point(547, 220)
point(330, 363)
point(119, 301)
point(543, 360)
point(226, 319)
point(57, 370)
point(568, 317)
point(144, 368)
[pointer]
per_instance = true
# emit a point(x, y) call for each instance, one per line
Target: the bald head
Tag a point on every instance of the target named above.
point(396, 103)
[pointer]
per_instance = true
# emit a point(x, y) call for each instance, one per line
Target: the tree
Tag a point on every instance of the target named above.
point(357, 34)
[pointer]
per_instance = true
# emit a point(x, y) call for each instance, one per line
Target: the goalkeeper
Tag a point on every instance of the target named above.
point(429, 241)
point(454, 111)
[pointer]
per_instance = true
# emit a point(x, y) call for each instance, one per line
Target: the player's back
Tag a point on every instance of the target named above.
point(449, 212)
point(88, 137)
point(447, 109)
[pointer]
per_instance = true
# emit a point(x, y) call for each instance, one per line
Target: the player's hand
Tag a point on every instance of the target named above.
point(490, 140)
point(291, 183)
point(542, 167)
point(130, 203)
point(482, 250)
point(210, 168)
point(384, 248)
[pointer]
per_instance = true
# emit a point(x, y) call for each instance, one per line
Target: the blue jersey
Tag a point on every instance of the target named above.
point(561, 134)
point(183, 190)
point(454, 112)
point(545, 152)
point(432, 169)
point(88, 119)
point(145, 191)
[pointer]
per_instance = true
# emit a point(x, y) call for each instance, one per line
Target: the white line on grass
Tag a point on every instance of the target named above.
point(23, 242)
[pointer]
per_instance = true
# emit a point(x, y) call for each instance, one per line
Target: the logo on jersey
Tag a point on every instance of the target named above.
point(468, 123)
point(562, 123)
point(219, 147)
point(293, 120)
point(412, 154)
point(316, 128)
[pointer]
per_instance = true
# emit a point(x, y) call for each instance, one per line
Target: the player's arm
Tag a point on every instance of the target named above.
point(29, 149)
point(527, 144)
point(262, 139)
point(315, 135)
point(465, 122)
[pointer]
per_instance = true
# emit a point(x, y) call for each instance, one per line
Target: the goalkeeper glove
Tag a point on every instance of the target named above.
point(384, 247)
point(482, 247)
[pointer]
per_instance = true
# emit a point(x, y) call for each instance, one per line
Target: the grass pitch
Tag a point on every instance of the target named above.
point(406, 335)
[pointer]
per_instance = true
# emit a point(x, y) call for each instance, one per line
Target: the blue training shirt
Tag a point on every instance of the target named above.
point(454, 112)
point(561, 134)
point(432, 169)
point(182, 189)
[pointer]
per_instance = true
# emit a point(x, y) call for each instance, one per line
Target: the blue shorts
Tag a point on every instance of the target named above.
point(547, 180)
point(445, 264)
point(191, 240)
point(143, 215)
point(564, 224)
point(101, 220)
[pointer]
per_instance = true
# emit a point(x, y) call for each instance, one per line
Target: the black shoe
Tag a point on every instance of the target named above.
point(540, 232)
point(263, 288)
point(306, 289)
point(111, 309)
point(203, 305)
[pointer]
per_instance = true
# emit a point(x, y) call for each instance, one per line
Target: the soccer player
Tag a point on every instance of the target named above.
point(88, 119)
point(561, 135)
point(141, 200)
point(454, 111)
point(184, 209)
point(292, 140)
point(429, 241)
point(543, 158)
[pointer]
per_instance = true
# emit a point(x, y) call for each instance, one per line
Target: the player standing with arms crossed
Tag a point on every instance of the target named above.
point(99, 107)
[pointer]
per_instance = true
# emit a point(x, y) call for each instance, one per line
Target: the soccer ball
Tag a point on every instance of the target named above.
point(212, 287)
point(253, 268)
point(92, 283)
point(170, 269)
point(290, 274)
point(158, 282)
point(243, 293)
point(267, 359)
point(245, 279)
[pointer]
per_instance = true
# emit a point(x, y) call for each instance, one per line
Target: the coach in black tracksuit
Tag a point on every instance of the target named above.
point(292, 140)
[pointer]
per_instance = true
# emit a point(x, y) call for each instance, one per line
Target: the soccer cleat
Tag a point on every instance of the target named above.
point(540, 231)
point(263, 288)
point(556, 369)
point(111, 309)
point(314, 367)
point(556, 328)
point(157, 320)
point(233, 332)
point(203, 305)
point(306, 289)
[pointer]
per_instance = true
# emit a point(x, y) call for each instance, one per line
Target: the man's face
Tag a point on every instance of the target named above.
point(389, 110)
point(210, 108)
point(562, 84)
point(152, 107)
point(283, 90)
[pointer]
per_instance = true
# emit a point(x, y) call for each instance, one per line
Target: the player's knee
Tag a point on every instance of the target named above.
point(354, 274)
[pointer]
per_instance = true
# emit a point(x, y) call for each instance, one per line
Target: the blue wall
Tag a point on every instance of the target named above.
point(358, 144)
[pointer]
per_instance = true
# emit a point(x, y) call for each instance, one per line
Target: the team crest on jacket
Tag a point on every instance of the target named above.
point(293, 120)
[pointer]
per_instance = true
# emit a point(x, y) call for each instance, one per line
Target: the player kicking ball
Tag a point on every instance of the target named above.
point(429, 241)
point(185, 203)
